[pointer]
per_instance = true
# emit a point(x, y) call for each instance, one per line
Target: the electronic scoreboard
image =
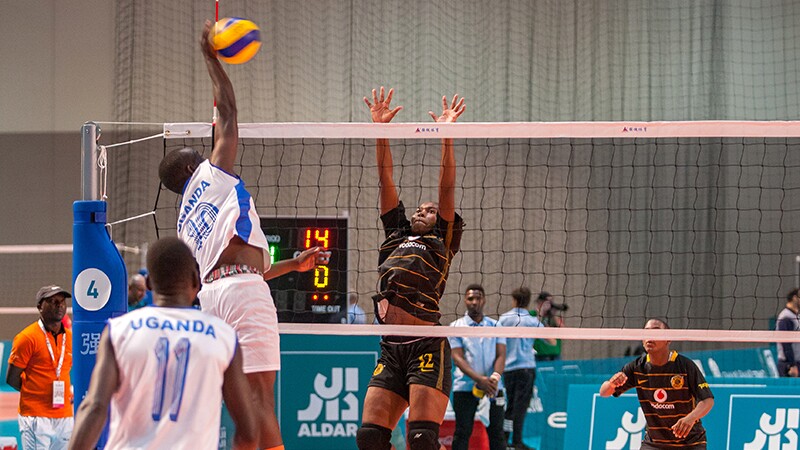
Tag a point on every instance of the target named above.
point(319, 295)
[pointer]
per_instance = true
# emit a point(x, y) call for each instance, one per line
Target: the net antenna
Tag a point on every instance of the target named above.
point(214, 111)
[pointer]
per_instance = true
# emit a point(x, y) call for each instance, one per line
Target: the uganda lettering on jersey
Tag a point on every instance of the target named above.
point(172, 363)
point(215, 207)
point(155, 323)
point(666, 394)
point(191, 202)
point(413, 269)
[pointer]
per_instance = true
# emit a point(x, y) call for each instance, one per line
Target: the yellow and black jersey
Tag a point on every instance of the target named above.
point(413, 269)
point(667, 393)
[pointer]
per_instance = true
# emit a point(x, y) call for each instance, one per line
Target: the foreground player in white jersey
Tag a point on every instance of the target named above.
point(217, 219)
point(165, 369)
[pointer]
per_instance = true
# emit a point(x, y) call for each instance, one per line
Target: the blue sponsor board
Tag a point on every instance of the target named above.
point(547, 414)
point(322, 377)
point(764, 421)
point(5, 352)
point(321, 389)
point(746, 416)
point(745, 363)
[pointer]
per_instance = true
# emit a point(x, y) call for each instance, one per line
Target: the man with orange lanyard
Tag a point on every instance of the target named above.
point(39, 365)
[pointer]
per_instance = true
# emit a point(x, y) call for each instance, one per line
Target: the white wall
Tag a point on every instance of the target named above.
point(56, 72)
point(57, 64)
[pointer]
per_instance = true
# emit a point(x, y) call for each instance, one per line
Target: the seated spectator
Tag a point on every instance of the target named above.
point(137, 289)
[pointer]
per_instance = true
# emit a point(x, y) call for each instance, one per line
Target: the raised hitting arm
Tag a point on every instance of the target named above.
point(382, 113)
point(447, 169)
point(227, 127)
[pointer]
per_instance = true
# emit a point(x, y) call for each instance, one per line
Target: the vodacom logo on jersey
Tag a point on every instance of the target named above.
point(661, 396)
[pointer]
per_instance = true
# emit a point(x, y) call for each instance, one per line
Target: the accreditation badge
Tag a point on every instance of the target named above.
point(58, 394)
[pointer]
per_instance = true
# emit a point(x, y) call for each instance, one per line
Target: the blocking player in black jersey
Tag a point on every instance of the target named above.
point(673, 394)
point(413, 264)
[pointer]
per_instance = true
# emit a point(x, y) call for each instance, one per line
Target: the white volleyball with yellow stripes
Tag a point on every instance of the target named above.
point(236, 40)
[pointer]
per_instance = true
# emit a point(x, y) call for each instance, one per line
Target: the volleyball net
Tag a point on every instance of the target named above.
point(692, 222)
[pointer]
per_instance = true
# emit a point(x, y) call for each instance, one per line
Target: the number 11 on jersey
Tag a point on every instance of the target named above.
point(182, 361)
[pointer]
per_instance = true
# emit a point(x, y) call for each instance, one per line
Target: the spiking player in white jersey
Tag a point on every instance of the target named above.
point(165, 369)
point(217, 219)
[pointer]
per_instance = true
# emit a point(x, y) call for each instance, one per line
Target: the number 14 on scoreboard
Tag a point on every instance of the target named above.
point(322, 290)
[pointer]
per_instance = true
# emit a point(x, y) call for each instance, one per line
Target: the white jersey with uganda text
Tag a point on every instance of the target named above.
point(171, 368)
point(216, 207)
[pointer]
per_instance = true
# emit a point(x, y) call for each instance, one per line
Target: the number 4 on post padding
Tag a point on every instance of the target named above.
point(92, 291)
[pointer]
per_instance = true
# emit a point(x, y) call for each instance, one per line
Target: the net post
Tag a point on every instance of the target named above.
point(90, 131)
point(99, 276)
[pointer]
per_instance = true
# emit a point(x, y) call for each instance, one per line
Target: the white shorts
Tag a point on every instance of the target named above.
point(44, 432)
point(245, 303)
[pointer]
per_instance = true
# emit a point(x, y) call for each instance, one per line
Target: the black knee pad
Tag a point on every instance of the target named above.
point(423, 435)
point(373, 437)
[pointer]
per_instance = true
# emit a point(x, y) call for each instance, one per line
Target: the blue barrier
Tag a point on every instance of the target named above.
point(763, 416)
point(321, 387)
point(323, 381)
point(8, 428)
point(5, 352)
point(547, 416)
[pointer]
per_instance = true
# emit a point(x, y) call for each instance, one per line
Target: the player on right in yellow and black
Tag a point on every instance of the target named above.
point(673, 394)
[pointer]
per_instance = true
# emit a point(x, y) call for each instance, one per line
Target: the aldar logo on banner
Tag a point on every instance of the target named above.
point(630, 433)
point(776, 432)
point(764, 422)
point(333, 407)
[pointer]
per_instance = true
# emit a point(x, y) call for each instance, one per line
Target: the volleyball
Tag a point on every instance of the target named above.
point(236, 40)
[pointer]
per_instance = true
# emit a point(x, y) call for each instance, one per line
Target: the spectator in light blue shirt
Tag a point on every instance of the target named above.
point(479, 364)
point(355, 314)
point(520, 373)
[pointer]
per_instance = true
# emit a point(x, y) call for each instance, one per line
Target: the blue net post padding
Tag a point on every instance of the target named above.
point(99, 281)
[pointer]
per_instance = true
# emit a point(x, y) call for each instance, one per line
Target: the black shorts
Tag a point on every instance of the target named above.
point(405, 361)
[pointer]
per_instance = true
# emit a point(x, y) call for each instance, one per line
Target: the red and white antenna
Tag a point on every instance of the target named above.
point(214, 112)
